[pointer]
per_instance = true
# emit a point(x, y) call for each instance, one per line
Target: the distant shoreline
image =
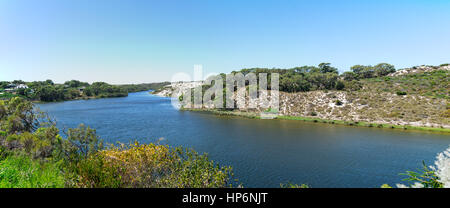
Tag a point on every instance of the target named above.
point(251, 115)
point(86, 98)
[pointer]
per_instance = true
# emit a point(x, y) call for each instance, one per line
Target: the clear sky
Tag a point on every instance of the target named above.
point(132, 41)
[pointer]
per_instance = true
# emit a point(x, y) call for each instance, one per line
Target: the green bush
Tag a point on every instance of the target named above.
point(192, 170)
point(156, 166)
point(340, 85)
point(93, 172)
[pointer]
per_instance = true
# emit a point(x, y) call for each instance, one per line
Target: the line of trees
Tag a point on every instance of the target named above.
point(310, 78)
point(323, 77)
point(48, 91)
point(364, 72)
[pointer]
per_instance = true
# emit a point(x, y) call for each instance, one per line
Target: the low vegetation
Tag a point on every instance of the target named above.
point(432, 84)
point(34, 154)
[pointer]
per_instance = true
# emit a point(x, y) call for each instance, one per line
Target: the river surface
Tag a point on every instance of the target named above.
point(263, 153)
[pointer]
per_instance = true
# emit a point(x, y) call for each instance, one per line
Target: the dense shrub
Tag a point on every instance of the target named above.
point(152, 166)
point(93, 172)
point(379, 70)
point(81, 142)
point(349, 76)
point(340, 85)
point(17, 115)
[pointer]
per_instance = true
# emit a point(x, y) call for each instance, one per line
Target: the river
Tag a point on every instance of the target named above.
point(263, 153)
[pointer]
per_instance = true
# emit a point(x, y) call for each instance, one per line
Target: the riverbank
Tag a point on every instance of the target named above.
point(415, 98)
point(254, 115)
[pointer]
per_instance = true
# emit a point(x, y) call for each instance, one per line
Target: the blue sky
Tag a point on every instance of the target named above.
point(132, 41)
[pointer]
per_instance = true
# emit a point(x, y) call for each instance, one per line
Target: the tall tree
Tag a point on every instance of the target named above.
point(326, 68)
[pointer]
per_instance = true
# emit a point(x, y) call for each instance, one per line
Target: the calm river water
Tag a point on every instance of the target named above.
point(263, 153)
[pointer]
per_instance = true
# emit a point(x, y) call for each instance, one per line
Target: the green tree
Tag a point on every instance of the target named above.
point(49, 82)
point(76, 84)
point(80, 143)
point(3, 84)
point(47, 93)
point(327, 68)
point(358, 69)
point(321, 81)
point(17, 115)
point(383, 69)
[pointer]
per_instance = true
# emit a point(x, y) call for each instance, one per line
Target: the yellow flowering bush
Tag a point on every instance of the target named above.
point(140, 165)
point(154, 166)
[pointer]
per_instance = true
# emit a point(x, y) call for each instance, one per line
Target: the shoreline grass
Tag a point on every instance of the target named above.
point(252, 115)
